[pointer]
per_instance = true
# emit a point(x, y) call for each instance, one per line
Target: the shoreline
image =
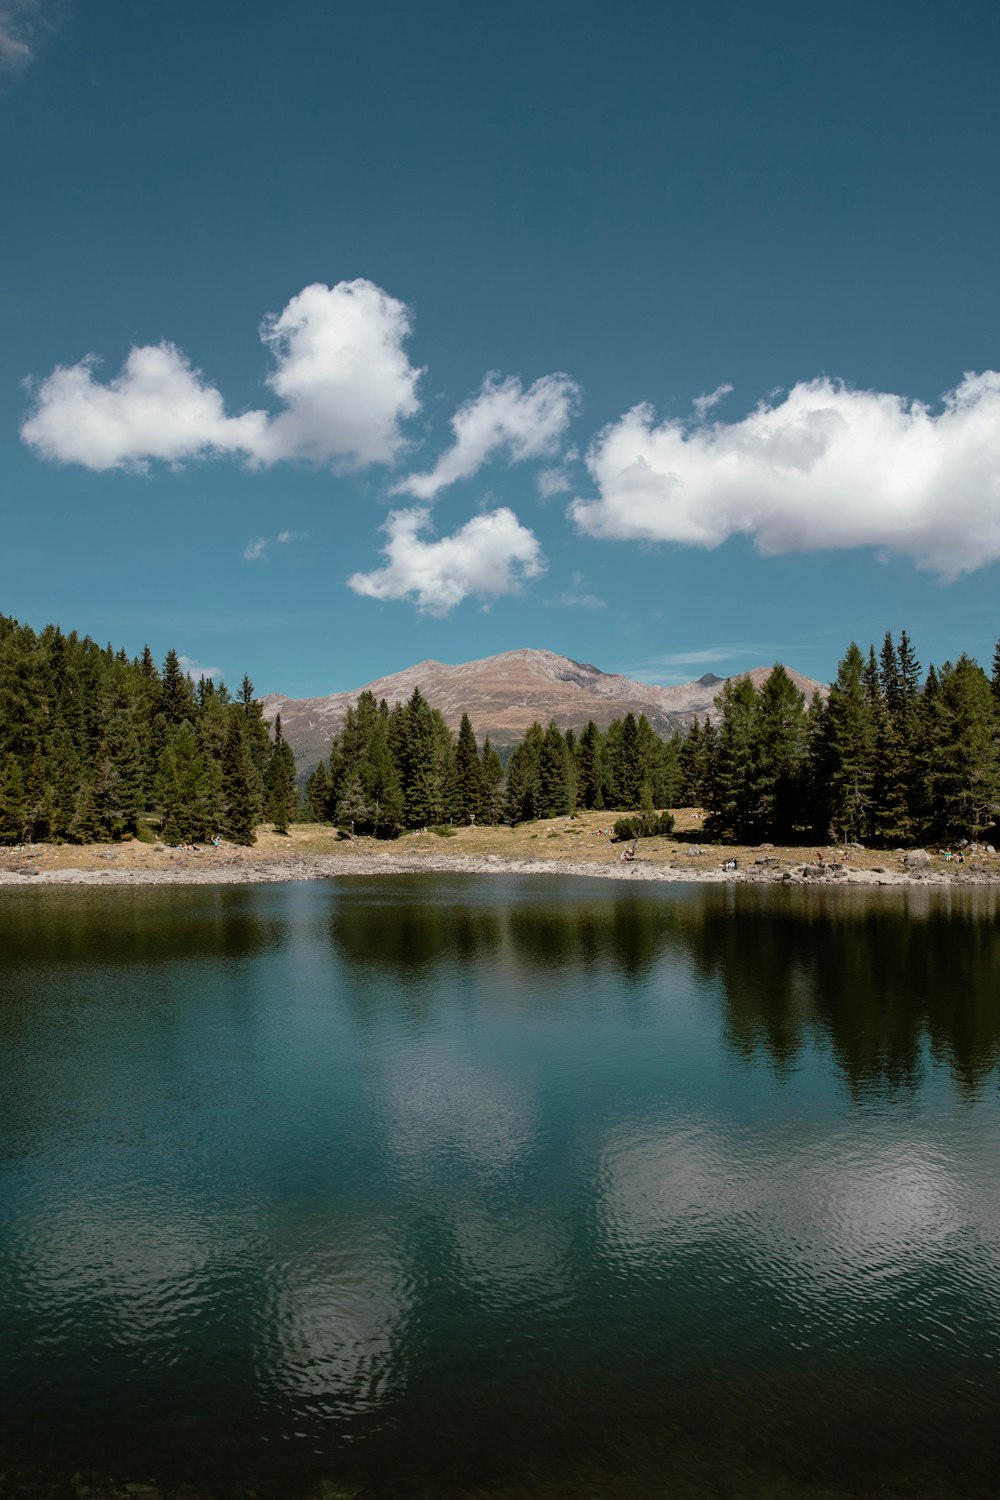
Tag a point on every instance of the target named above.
point(193, 869)
point(579, 845)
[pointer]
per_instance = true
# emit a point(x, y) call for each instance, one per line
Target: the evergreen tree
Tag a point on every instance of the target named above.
point(241, 803)
point(282, 784)
point(12, 810)
point(738, 807)
point(380, 783)
point(965, 783)
point(491, 781)
point(419, 767)
point(588, 767)
point(783, 745)
point(849, 749)
point(117, 778)
point(353, 808)
point(176, 698)
point(521, 799)
point(468, 775)
point(553, 775)
point(318, 794)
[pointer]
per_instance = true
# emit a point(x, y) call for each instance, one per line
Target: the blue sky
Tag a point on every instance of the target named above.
point(333, 338)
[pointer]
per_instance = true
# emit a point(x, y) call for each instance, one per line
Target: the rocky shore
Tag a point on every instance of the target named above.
point(568, 846)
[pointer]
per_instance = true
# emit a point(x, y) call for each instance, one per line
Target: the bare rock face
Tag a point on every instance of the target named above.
point(503, 695)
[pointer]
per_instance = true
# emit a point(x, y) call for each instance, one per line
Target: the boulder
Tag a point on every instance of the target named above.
point(916, 859)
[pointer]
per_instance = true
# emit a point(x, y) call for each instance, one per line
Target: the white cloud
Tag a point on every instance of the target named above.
point(553, 482)
point(503, 419)
point(486, 557)
point(159, 407)
point(826, 467)
point(342, 375)
point(195, 670)
point(256, 549)
point(704, 404)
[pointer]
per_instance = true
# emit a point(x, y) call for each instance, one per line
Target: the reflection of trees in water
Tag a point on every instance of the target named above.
point(625, 933)
point(879, 976)
point(878, 981)
point(413, 937)
point(84, 926)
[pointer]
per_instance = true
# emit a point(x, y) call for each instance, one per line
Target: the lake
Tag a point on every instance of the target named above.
point(519, 1187)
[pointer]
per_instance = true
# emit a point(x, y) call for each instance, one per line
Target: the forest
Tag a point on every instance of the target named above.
point(95, 745)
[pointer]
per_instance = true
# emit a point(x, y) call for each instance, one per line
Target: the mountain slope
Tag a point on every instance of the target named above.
point(504, 694)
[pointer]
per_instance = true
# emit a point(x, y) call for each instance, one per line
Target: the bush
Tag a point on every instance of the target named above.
point(643, 826)
point(443, 830)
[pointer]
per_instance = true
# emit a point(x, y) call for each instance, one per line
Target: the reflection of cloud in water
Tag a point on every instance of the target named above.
point(448, 1106)
point(836, 1215)
point(338, 1323)
point(513, 1258)
point(141, 1266)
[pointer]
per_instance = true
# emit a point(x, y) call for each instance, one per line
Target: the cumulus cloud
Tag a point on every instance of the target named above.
point(503, 420)
point(159, 407)
point(486, 557)
point(341, 373)
point(825, 467)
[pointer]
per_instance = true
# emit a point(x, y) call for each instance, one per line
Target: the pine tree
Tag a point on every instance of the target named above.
point(783, 743)
point(491, 780)
point(521, 797)
point(12, 809)
point(689, 757)
point(117, 780)
point(737, 809)
point(588, 767)
point(318, 794)
point(966, 778)
point(850, 749)
point(353, 807)
point(176, 698)
point(380, 783)
point(282, 785)
point(468, 775)
point(241, 804)
point(553, 775)
point(419, 768)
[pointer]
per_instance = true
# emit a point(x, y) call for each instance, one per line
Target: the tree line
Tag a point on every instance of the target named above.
point(888, 757)
point(400, 767)
point(91, 741)
point(95, 745)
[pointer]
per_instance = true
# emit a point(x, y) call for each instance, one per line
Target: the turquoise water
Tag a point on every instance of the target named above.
point(518, 1187)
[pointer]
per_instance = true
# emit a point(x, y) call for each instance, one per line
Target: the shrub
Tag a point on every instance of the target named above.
point(643, 826)
point(443, 830)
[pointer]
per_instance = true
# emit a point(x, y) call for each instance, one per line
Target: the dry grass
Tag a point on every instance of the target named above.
point(582, 839)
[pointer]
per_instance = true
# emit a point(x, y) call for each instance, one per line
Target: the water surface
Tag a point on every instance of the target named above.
point(517, 1186)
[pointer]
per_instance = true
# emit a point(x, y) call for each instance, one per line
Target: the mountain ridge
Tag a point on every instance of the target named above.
point(504, 694)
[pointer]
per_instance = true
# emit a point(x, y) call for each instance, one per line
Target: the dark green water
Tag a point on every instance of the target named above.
point(527, 1187)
